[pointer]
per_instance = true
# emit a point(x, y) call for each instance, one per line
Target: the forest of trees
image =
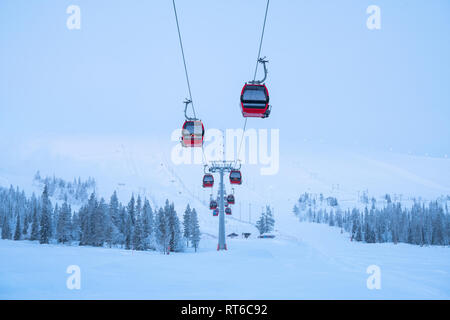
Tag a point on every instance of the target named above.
point(422, 224)
point(135, 226)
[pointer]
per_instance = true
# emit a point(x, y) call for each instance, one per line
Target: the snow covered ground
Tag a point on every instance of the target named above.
point(305, 261)
point(309, 261)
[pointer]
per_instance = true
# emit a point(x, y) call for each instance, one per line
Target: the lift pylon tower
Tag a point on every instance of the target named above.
point(221, 167)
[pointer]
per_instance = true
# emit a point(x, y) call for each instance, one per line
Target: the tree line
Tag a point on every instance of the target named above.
point(422, 224)
point(135, 226)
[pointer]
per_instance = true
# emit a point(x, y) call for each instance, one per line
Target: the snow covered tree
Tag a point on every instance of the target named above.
point(138, 232)
point(6, 228)
point(266, 222)
point(131, 210)
point(187, 224)
point(359, 236)
point(114, 209)
point(175, 235)
point(76, 227)
point(98, 223)
point(18, 231)
point(34, 225)
point(64, 225)
point(138, 206)
point(147, 221)
point(46, 220)
point(260, 224)
point(128, 232)
point(270, 221)
point(162, 231)
point(26, 221)
point(54, 219)
point(195, 229)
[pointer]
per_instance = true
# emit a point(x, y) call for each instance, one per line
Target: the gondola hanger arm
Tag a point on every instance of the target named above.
point(263, 61)
point(187, 102)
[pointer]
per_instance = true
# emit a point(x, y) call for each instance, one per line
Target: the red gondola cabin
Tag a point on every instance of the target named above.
point(235, 177)
point(215, 212)
point(228, 211)
point(255, 101)
point(213, 204)
point(208, 181)
point(192, 133)
point(230, 199)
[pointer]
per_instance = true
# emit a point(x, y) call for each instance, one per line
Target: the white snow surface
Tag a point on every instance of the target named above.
point(304, 261)
point(314, 262)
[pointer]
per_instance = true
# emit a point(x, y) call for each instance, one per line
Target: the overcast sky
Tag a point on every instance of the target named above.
point(331, 80)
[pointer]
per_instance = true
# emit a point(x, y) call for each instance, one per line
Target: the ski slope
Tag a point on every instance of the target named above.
point(304, 261)
point(315, 262)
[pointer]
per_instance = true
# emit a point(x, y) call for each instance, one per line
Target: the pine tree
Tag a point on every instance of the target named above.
point(34, 226)
point(64, 225)
point(187, 224)
point(138, 207)
point(175, 235)
point(6, 228)
point(128, 230)
point(54, 219)
point(26, 224)
point(138, 239)
point(269, 220)
point(131, 210)
point(114, 209)
point(358, 232)
point(46, 222)
point(109, 230)
point(147, 221)
point(162, 231)
point(331, 219)
point(17, 232)
point(260, 224)
point(98, 223)
point(195, 230)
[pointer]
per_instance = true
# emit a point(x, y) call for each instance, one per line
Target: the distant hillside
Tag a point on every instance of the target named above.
point(77, 191)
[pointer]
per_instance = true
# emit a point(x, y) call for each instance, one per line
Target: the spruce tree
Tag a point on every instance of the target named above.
point(187, 224)
point(63, 225)
point(6, 228)
point(131, 210)
point(18, 230)
point(46, 222)
point(26, 223)
point(128, 232)
point(260, 224)
point(269, 220)
point(195, 230)
point(114, 209)
point(34, 226)
point(175, 235)
point(162, 231)
point(138, 239)
point(147, 222)
point(98, 223)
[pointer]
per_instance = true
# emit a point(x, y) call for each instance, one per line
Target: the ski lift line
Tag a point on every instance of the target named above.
point(172, 172)
point(261, 41)
point(184, 59)
point(242, 138)
point(204, 156)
